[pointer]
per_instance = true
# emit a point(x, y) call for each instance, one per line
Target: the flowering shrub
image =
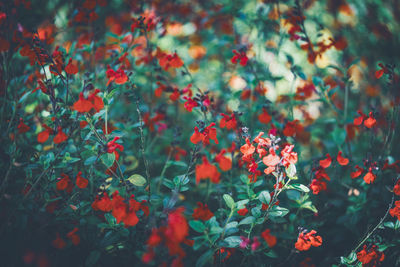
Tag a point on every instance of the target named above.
point(199, 133)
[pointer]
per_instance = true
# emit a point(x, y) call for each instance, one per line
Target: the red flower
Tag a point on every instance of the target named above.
point(325, 163)
point(342, 161)
point(60, 136)
point(190, 103)
point(243, 212)
point(80, 181)
point(317, 186)
point(228, 121)
point(306, 240)
point(208, 133)
point(288, 156)
point(176, 231)
point(104, 203)
point(395, 212)
point(225, 163)
point(370, 256)
point(357, 173)
point(170, 60)
point(264, 117)
point(369, 178)
point(97, 102)
point(75, 239)
point(112, 146)
point(269, 239)
point(82, 105)
point(371, 121)
point(59, 243)
point(119, 76)
point(396, 188)
point(239, 57)
point(22, 127)
point(379, 73)
point(71, 69)
point(63, 183)
point(44, 135)
point(202, 212)
point(207, 170)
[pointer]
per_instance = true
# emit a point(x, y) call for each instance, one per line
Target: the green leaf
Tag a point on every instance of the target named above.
point(247, 220)
point(299, 187)
point(308, 205)
point(291, 171)
point(264, 197)
point(241, 203)
point(93, 257)
point(233, 241)
point(277, 211)
point(137, 180)
point(108, 159)
point(204, 259)
point(229, 201)
point(198, 226)
point(90, 160)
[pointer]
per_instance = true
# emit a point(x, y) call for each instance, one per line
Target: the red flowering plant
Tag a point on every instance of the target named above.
point(202, 133)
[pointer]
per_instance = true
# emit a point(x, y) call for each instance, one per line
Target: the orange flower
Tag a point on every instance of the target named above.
point(269, 239)
point(207, 170)
point(306, 240)
point(342, 161)
point(225, 163)
point(288, 156)
point(271, 161)
point(369, 178)
point(170, 60)
point(357, 173)
point(371, 121)
point(208, 133)
point(325, 163)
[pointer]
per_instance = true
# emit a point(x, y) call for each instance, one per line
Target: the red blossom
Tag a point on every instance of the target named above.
point(202, 212)
point(239, 57)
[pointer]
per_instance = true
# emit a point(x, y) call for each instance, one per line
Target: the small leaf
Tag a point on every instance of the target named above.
point(264, 197)
point(299, 187)
point(137, 180)
point(291, 171)
point(247, 220)
point(204, 259)
point(108, 159)
point(233, 241)
point(229, 201)
point(198, 226)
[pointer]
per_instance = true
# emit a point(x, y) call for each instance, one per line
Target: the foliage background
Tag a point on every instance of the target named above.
point(203, 34)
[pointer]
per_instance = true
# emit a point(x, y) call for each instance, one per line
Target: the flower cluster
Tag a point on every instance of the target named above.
point(122, 211)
